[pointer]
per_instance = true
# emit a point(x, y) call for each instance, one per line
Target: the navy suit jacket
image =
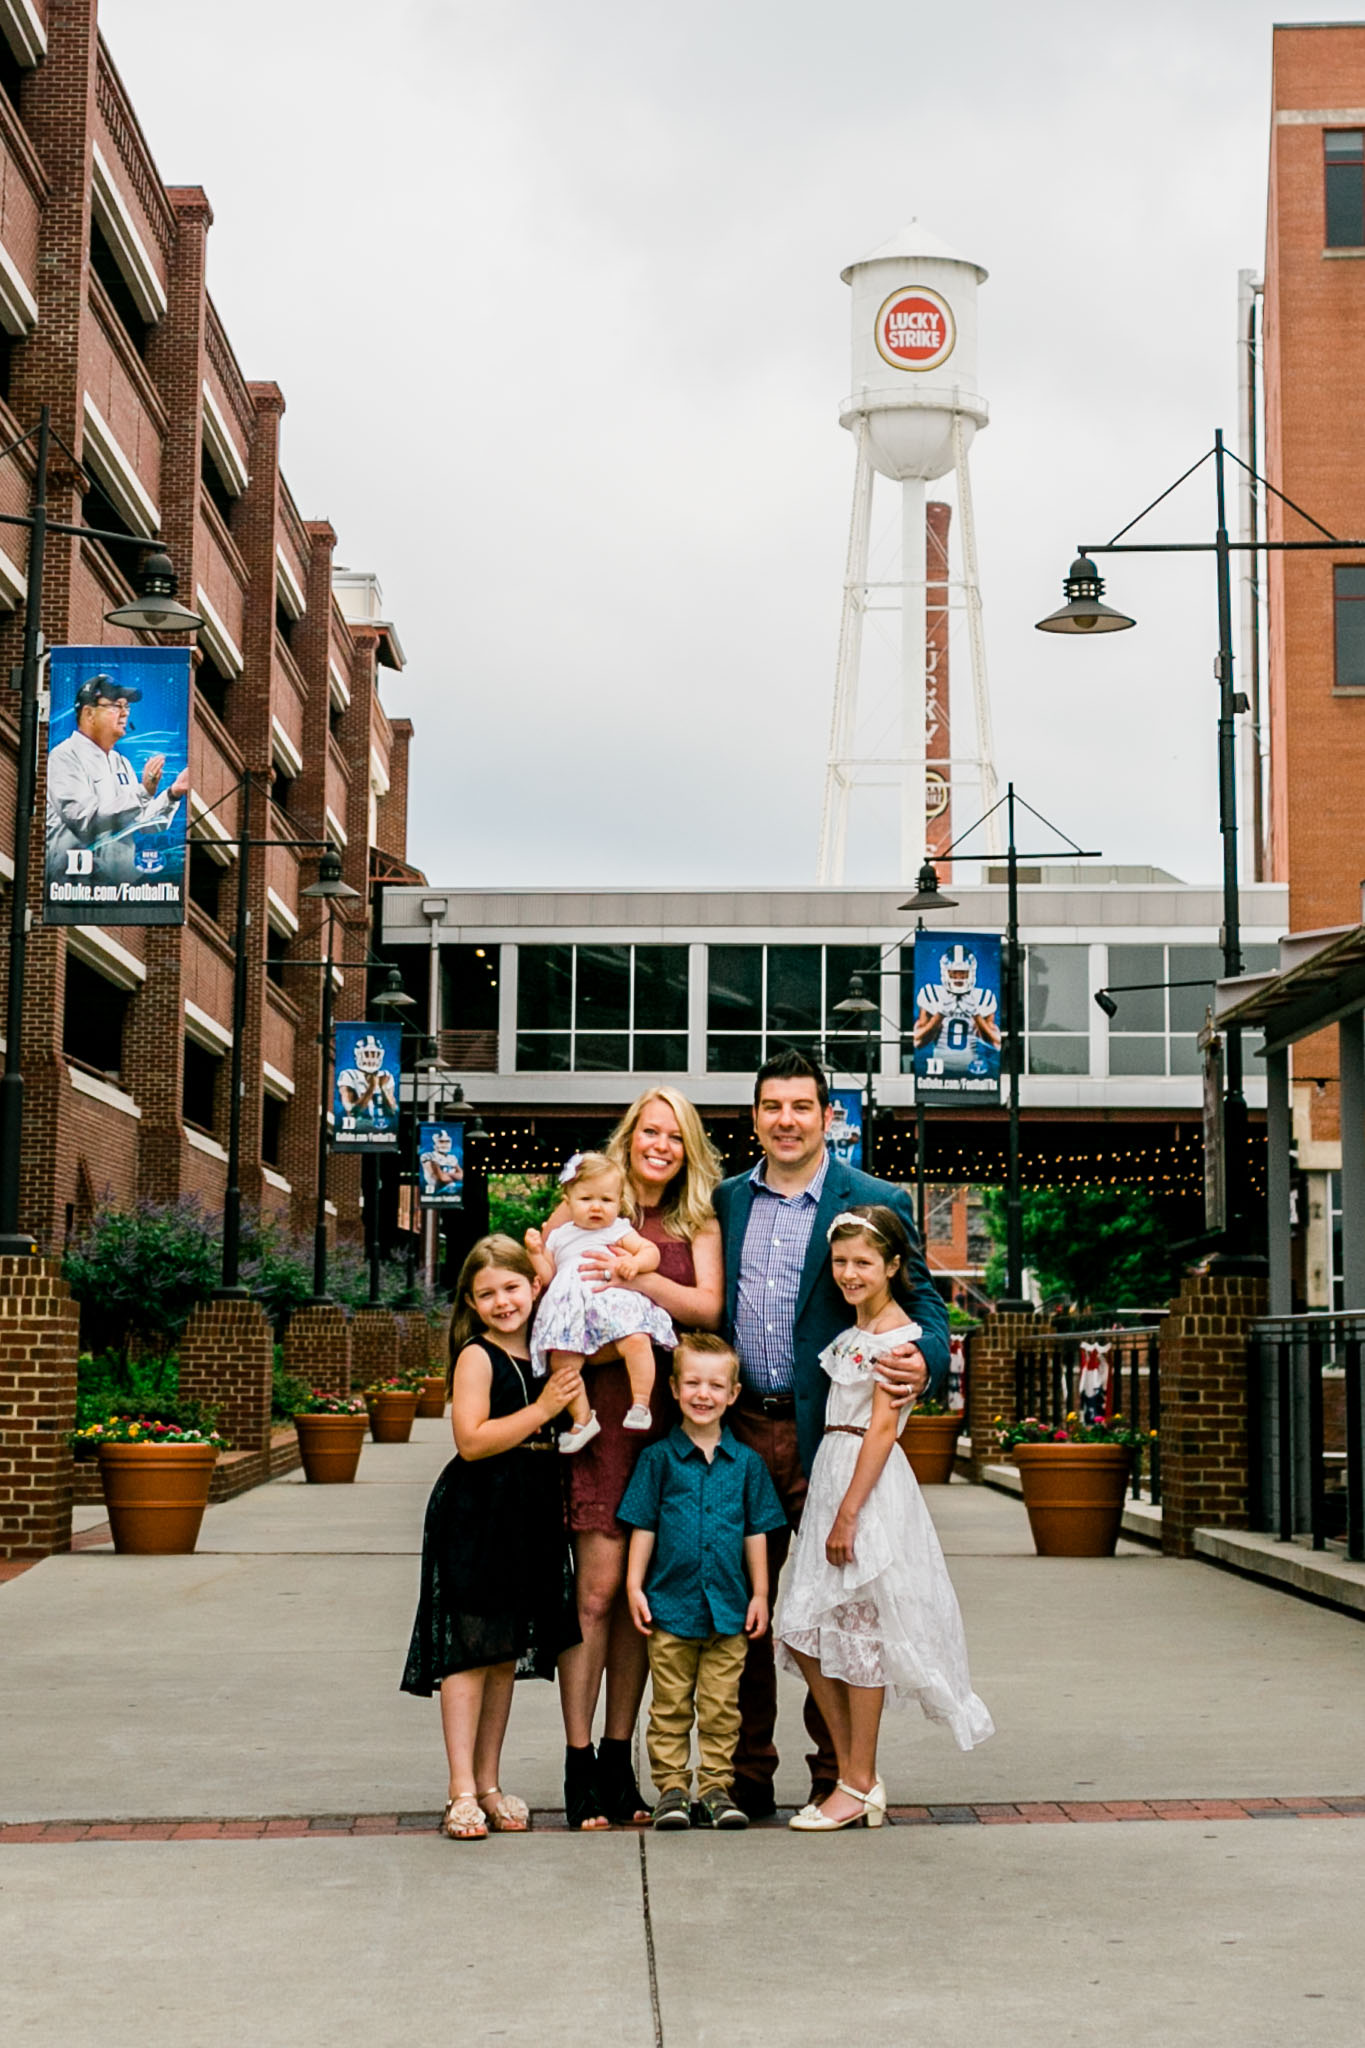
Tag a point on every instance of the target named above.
point(821, 1311)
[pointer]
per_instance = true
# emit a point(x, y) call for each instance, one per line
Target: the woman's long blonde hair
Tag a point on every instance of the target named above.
point(687, 1207)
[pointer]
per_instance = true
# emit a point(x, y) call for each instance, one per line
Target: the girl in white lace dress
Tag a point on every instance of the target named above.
point(579, 1317)
point(867, 1612)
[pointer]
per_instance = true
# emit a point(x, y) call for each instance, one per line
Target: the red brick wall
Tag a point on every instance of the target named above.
point(990, 1380)
point(1204, 1445)
point(317, 1347)
point(227, 1359)
point(39, 1344)
point(374, 1346)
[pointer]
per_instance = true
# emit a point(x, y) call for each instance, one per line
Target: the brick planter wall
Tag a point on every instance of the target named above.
point(226, 1359)
point(438, 1342)
point(1204, 1452)
point(317, 1347)
point(39, 1345)
point(990, 1379)
point(413, 1348)
point(374, 1346)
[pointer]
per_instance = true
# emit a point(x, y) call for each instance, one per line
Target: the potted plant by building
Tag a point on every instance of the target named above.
point(1074, 1477)
point(156, 1479)
point(929, 1441)
point(392, 1404)
point(331, 1430)
point(431, 1395)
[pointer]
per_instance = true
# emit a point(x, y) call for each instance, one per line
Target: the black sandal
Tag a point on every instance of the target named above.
point(582, 1800)
point(617, 1785)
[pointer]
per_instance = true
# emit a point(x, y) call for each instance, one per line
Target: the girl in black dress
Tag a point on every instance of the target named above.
point(497, 1595)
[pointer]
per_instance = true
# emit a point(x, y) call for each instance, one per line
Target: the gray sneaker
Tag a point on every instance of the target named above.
point(718, 1810)
point(671, 1811)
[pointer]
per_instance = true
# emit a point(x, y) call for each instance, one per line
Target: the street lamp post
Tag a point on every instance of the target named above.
point(927, 896)
point(1013, 1023)
point(330, 887)
point(393, 997)
point(857, 1004)
point(1082, 614)
point(428, 1063)
point(157, 613)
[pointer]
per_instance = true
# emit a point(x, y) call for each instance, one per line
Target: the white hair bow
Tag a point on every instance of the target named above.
point(570, 1168)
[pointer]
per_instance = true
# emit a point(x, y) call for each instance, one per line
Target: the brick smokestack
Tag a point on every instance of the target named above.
point(937, 722)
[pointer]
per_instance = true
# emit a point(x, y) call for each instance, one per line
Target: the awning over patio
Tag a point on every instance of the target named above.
point(1321, 982)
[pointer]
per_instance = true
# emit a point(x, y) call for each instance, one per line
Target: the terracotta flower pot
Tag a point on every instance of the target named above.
point(330, 1447)
point(431, 1402)
point(391, 1414)
point(930, 1443)
point(156, 1495)
point(1074, 1494)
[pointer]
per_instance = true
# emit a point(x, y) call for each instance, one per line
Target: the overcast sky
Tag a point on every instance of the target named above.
point(552, 290)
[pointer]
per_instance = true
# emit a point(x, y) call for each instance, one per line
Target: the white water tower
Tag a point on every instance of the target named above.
point(913, 412)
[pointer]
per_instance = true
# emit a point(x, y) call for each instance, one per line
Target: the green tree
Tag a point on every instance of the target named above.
point(518, 1202)
point(1100, 1248)
point(137, 1274)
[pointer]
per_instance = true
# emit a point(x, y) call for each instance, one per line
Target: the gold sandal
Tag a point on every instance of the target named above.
point(511, 1816)
point(464, 1820)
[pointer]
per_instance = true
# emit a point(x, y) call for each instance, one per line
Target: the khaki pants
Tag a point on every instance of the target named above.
point(687, 1672)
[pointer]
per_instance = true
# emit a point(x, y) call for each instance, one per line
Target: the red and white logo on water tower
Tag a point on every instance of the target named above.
point(915, 329)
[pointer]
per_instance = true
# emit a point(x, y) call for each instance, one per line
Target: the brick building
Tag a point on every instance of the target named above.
point(1313, 321)
point(105, 316)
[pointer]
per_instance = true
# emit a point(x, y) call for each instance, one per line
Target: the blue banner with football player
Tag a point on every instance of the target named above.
point(440, 1166)
point(367, 1066)
point(957, 1017)
point(844, 1138)
point(117, 780)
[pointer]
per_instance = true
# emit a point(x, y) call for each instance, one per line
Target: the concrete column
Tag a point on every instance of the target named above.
point(1277, 1181)
point(1351, 1043)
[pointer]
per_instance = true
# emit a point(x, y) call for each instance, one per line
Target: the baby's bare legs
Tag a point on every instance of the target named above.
point(638, 1353)
point(585, 1425)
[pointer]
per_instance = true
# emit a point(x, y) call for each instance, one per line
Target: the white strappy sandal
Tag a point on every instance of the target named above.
point(812, 1821)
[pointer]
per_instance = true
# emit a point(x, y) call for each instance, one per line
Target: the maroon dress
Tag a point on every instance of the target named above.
point(600, 1472)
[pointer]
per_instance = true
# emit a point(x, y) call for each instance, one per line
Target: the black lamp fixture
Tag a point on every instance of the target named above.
point(157, 610)
point(856, 1003)
point(393, 995)
point(928, 895)
point(1083, 612)
point(1106, 1002)
point(329, 884)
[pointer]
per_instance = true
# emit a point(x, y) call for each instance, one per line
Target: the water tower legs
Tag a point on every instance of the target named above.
point(976, 634)
point(834, 812)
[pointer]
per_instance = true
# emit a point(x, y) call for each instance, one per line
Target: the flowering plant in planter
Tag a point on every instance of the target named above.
point(1073, 1431)
point(398, 1384)
point(322, 1403)
point(136, 1429)
point(931, 1405)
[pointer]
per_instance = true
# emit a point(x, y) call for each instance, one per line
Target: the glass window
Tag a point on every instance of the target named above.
point(199, 1085)
point(602, 989)
point(739, 1053)
point(1059, 1055)
point(661, 988)
point(1141, 1008)
point(734, 988)
point(660, 1052)
point(93, 1019)
point(601, 1052)
point(1348, 589)
point(1136, 1055)
point(1189, 1006)
point(469, 989)
point(543, 1052)
point(842, 962)
point(1344, 179)
point(544, 988)
point(794, 988)
point(272, 1130)
point(1058, 990)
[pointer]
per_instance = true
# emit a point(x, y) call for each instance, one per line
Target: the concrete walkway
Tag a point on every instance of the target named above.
point(257, 1682)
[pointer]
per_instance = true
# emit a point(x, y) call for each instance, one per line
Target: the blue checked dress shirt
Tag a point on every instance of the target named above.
point(775, 1246)
point(701, 1513)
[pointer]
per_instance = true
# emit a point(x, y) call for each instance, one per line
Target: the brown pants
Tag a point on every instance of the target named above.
point(690, 1675)
point(756, 1755)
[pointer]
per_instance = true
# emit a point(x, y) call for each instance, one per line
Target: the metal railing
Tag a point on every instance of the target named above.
point(1047, 1373)
point(1307, 1451)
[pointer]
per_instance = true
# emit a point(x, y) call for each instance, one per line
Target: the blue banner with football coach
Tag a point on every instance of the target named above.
point(117, 785)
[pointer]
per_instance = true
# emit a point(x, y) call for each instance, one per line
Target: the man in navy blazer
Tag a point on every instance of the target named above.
point(781, 1309)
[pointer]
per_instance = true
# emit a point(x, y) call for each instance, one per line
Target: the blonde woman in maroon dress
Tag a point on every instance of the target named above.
point(671, 1168)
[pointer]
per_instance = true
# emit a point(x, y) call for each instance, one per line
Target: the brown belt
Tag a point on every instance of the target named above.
point(843, 1429)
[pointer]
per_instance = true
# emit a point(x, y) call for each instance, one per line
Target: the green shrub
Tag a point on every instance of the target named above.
point(107, 1385)
point(518, 1202)
point(138, 1273)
